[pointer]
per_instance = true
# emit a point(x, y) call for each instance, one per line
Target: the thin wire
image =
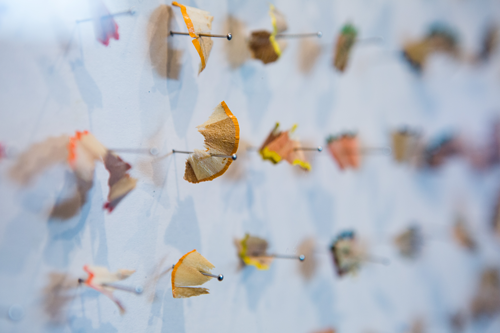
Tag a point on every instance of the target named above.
point(310, 34)
point(131, 150)
point(127, 12)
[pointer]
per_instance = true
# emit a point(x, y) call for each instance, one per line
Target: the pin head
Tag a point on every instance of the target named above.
point(320, 34)
point(132, 11)
point(234, 157)
point(229, 36)
point(220, 277)
point(138, 290)
point(16, 312)
point(153, 151)
point(320, 148)
point(302, 257)
point(80, 281)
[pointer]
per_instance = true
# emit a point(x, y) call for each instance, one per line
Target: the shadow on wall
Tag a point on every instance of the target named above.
point(165, 63)
point(243, 196)
point(47, 154)
point(38, 158)
point(256, 282)
point(321, 205)
point(237, 52)
point(183, 231)
point(159, 294)
point(309, 52)
point(158, 170)
point(321, 296)
point(325, 105)
point(256, 88)
point(307, 269)
point(90, 92)
point(173, 315)
point(59, 292)
point(58, 87)
point(64, 237)
point(183, 95)
point(17, 245)
point(70, 205)
point(167, 58)
point(30, 166)
point(79, 324)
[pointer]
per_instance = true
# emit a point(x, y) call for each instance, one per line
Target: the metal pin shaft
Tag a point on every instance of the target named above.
point(319, 148)
point(233, 157)
point(228, 36)
point(312, 34)
point(151, 151)
point(285, 256)
point(219, 277)
point(136, 290)
point(127, 12)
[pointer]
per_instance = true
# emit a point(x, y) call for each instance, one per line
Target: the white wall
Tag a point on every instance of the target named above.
point(47, 89)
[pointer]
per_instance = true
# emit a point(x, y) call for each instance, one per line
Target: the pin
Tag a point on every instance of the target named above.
point(346, 150)
point(198, 23)
point(130, 12)
point(258, 40)
point(319, 148)
point(152, 151)
point(136, 290)
point(318, 34)
point(16, 312)
point(252, 251)
point(219, 277)
point(344, 44)
point(284, 256)
point(233, 157)
point(228, 36)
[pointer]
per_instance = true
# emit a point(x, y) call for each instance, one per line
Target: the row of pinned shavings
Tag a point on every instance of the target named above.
point(83, 150)
point(349, 253)
point(268, 46)
point(409, 146)
point(80, 152)
point(222, 139)
point(193, 270)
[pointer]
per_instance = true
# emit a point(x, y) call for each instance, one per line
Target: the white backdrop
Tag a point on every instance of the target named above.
point(123, 98)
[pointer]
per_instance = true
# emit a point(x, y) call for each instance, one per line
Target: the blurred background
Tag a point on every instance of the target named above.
point(418, 210)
